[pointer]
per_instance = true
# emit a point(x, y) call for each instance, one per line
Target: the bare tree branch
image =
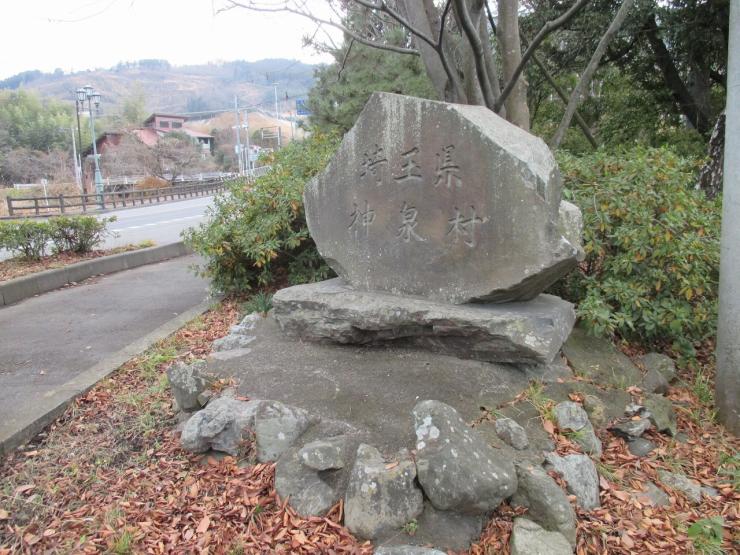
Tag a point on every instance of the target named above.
point(546, 29)
point(475, 43)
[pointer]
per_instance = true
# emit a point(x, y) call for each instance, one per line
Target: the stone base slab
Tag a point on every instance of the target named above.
point(529, 332)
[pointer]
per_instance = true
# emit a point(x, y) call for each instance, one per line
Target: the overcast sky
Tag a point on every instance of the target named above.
point(50, 34)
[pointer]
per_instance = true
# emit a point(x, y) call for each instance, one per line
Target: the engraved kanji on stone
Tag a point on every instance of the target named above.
point(360, 219)
point(372, 163)
point(448, 173)
point(408, 224)
point(410, 169)
point(464, 228)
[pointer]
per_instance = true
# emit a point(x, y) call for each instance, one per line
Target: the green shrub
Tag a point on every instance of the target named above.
point(256, 233)
point(26, 238)
point(78, 234)
point(652, 247)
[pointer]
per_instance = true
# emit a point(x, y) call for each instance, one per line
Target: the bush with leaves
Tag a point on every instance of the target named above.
point(256, 233)
point(652, 247)
point(78, 234)
point(26, 238)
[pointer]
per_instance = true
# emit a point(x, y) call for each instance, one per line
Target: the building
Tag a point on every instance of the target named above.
point(167, 123)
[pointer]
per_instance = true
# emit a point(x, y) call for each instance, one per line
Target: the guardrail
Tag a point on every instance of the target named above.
point(48, 206)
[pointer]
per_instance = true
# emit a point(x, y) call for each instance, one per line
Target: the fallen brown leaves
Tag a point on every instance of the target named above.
point(109, 476)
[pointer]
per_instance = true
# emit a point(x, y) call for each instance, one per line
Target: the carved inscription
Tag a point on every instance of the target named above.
point(408, 223)
point(410, 168)
point(463, 228)
point(360, 219)
point(372, 163)
point(448, 172)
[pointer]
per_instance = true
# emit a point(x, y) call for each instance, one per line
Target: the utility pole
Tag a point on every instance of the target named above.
point(78, 101)
point(78, 169)
point(238, 136)
point(249, 151)
point(727, 379)
point(277, 114)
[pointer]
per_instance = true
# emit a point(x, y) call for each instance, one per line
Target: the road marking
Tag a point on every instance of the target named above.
point(159, 223)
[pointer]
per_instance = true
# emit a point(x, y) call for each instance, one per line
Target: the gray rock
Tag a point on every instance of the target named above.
point(512, 433)
point(530, 332)
point(571, 416)
point(653, 496)
point(187, 382)
point(228, 355)
point(222, 426)
point(599, 360)
point(630, 429)
point(595, 409)
point(457, 469)
point(640, 447)
point(662, 414)
point(407, 550)
point(690, 488)
point(310, 492)
point(553, 372)
point(448, 529)
point(324, 454)
point(548, 504)
point(654, 382)
point(659, 363)
point(250, 320)
point(579, 472)
point(449, 202)
point(570, 224)
point(380, 498)
point(276, 427)
point(528, 538)
point(709, 491)
point(239, 329)
point(232, 342)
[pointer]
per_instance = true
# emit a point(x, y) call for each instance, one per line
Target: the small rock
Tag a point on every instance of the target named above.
point(380, 500)
point(528, 538)
point(407, 550)
point(310, 495)
point(222, 426)
point(662, 414)
point(187, 382)
point(238, 329)
point(250, 320)
point(324, 454)
point(457, 469)
point(205, 397)
point(709, 491)
point(681, 437)
point(659, 363)
point(448, 529)
point(596, 410)
point(653, 496)
point(690, 488)
point(571, 416)
point(232, 342)
point(579, 471)
point(276, 427)
point(512, 433)
point(547, 503)
point(631, 429)
point(640, 447)
point(654, 382)
point(633, 409)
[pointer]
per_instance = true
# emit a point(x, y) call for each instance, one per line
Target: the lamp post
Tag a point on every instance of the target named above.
point(93, 97)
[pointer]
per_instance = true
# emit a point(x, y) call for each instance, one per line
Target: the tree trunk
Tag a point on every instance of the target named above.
point(578, 93)
point(727, 379)
point(517, 111)
point(710, 177)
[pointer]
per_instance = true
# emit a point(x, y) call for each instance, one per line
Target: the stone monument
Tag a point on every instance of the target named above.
point(444, 224)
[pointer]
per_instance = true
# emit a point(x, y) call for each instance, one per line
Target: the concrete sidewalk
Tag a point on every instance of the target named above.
point(51, 346)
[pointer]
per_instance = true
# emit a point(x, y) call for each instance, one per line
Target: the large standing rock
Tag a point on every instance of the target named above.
point(444, 201)
point(222, 426)
point(187, 382)
point(528, 538)
point(579, 471)
point(277, 426)
point(571, 416)
point(547, 503)
point(512, 433)
point(457, 469)
point(311, 493)
point(381, 498)
point(661, 413)
point(530, 332)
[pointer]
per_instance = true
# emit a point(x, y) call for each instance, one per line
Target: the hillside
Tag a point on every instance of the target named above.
point(178, 89)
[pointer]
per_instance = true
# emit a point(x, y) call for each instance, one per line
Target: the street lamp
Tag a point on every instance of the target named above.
point(93, 97)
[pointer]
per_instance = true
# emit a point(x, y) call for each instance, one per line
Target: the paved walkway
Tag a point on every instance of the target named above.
point(48, 342)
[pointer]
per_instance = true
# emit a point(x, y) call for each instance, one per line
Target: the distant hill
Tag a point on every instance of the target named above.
point(178, 89)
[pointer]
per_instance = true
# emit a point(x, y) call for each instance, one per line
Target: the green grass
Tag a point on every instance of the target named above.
point(122, 545)
point(706, 535)
point(535, 394)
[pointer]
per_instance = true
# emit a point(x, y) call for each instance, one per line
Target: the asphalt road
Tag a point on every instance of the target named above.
point(161, 223)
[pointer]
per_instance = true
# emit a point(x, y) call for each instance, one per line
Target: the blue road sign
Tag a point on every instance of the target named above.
point(301, 108)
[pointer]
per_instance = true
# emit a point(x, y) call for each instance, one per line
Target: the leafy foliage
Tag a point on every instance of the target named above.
point(652, 247)
point(706, 534)
point(257, 233)
point(30, 238)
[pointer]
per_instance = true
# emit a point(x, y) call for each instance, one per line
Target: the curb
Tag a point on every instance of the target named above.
point(15, 290)
point(45, 410)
